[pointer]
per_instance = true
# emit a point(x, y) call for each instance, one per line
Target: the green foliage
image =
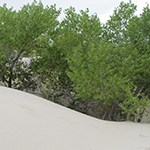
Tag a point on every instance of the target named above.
point(116, 76)
point(115, 28)
point(109, 63)
point(20, 34)
point(78, 28)
point(74, 30)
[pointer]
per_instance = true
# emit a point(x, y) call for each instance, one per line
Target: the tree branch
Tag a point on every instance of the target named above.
point(12, 66)
point(16, 58)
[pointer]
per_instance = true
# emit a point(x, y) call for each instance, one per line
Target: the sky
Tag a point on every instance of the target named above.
point(103, 8)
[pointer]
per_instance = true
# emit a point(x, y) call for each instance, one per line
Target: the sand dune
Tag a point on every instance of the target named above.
point(28, 122)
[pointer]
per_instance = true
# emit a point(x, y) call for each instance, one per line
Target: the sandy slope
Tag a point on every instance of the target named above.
point(28, 122)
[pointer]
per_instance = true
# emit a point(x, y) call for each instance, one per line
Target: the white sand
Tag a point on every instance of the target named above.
point(28, 122)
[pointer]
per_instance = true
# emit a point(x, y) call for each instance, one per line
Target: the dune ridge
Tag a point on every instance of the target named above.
point(28, 122)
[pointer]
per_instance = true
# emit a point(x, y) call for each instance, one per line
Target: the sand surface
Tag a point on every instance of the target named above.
point(28, 122)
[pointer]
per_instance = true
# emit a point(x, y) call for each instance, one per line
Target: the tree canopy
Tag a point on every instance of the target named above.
point(107, 63)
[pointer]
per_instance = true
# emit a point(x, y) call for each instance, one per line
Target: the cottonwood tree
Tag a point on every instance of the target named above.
point(76, 29)
point(108, 70)
point(20, 33)
point(115, 28)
